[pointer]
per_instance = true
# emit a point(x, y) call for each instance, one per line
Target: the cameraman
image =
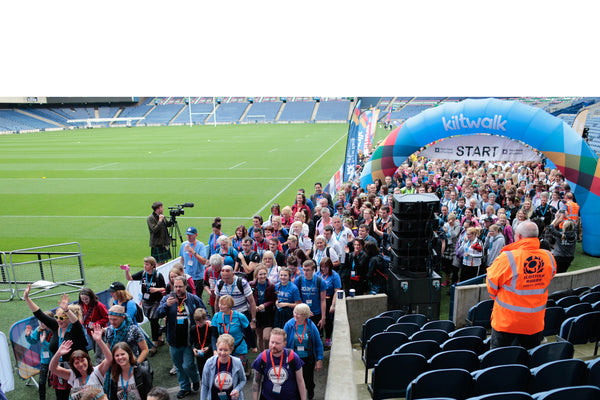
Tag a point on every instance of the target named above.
point(159, 235)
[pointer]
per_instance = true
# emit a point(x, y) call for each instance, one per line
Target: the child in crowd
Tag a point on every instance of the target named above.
point(41, 335)
point(200, 337)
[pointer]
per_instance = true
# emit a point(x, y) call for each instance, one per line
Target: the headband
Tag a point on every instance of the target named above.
point(117, 314)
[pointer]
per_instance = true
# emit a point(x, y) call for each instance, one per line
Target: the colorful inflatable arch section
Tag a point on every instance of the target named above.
point(533, 126)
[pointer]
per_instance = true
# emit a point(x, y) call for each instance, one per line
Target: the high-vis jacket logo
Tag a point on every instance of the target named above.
point(457, 122)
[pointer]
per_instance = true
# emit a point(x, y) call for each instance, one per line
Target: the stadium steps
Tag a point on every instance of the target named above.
point(145, 115)
point(39, 117)
point(177, 115)
point(207, 120)
point(315, 110)
point(245, 113)
point(280, 111)
point(119, 112)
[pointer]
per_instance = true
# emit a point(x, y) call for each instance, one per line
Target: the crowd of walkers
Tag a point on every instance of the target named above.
point(272, 286)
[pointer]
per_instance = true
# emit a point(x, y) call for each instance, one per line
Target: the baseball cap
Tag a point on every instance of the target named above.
point(116, 286)
point(488, 219)
point(191, 231)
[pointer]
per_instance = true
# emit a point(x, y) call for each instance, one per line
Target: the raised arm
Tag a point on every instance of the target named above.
point(56, 369)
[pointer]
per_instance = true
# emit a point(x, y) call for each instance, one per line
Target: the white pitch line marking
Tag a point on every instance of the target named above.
point(237, 165)
point(108, 216)
point(300, 174)
point(202, 178)
point(273, 150)
point(169, 151)
point(102, 166)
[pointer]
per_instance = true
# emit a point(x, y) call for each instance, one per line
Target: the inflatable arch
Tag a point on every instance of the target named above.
point(534, 126)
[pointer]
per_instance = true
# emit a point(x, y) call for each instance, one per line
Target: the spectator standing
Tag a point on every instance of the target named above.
point(518, 282)
point(160, 241)
point(179, 308)
point(303, 337)
point(122, 329)
point(223, 374)
point(41, 335)
point(94, 313)
point(278, 373)
point(192, 255)
point(312, 292)
point(153, 288)
point(334, 283)
point(264, 297)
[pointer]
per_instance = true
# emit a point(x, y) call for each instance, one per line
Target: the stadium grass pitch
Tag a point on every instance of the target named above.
point(95, 186)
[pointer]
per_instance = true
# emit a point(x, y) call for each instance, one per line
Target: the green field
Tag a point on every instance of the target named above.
point(96, 186)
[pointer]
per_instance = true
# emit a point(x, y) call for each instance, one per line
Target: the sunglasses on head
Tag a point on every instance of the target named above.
point(61, 318)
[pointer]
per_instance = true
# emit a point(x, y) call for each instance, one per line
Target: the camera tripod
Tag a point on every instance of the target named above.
point(174, 232)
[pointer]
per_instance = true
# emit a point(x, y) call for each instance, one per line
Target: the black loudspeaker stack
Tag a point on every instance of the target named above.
point(413, 282)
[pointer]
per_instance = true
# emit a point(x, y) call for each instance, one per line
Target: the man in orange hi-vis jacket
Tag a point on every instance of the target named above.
point(518, 282)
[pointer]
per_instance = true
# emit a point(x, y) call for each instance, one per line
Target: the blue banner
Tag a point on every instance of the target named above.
point(351, 158)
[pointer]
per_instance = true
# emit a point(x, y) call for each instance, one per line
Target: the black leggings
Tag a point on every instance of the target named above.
point(43, 381)
point(329, 319)
point(155, 328)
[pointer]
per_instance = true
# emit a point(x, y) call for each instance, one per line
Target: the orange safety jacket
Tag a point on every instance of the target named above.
point(518, 282)
point(572, 211)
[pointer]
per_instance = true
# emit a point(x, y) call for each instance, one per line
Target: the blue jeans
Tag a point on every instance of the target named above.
point(187, 370)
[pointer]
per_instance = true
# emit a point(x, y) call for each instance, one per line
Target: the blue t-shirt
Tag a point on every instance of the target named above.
point(229, 257)
point(309, 292)
point(288, 293)
point(191, 265)
point(233, 324)
point(333, 281)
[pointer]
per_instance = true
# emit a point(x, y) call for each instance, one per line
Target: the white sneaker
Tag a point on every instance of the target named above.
point(173, 370)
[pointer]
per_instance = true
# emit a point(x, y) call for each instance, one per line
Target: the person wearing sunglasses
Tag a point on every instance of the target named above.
point(64, 326)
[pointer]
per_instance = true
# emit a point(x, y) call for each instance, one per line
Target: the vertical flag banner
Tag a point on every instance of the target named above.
point(363, 124)
point(351, 158)
point(371, 126)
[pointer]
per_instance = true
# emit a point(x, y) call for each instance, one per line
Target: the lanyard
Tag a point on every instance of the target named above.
point(60, 337)
point(237, 244)
point(280, 290)
point(86, 381)
point(319, 256)
point(227, 327)
point(123, 385)
point(491, 242)
point(214, 242)
point(300, 339)
point(280, 364)
point(221, 382)
point(338, 235)
point(181, 305)
point(205, 334)
point(212, 271)
point(261, 293)
point(232, 287)
point(148, 284)
point(312, 283)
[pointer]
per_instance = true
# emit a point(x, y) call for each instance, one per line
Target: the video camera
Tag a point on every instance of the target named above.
point(178, 210)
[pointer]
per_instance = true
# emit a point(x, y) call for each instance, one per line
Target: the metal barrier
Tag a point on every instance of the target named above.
point(6, 282)
point(47, 267)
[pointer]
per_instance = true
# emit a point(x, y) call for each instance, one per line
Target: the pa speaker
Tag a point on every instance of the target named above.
point(411, 246)
point(415, 206)
point(415, 266)
point(414, 227)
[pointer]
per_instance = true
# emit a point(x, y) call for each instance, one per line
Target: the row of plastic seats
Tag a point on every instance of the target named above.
point(467, 348)
point(461, 384)
point(581, 329)
point(417, 322)
point(411, 364)
point(584, 392)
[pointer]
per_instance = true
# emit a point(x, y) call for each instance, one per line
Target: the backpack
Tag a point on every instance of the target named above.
point(239, 283)
point(290, 359)
point(139, 313)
